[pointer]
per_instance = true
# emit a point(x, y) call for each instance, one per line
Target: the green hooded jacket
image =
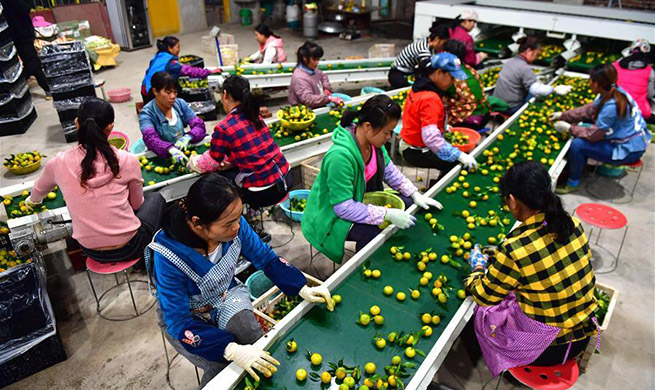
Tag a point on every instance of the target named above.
point(341, 178)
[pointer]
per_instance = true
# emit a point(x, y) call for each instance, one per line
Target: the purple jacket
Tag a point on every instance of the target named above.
point(307, 87)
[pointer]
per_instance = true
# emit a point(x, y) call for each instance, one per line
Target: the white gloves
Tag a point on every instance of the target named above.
point(177, 155)
point(183, 142)
point(555, 116)
point(317, 294)
point(249, 357)
point(562, 126)
point(425, 201)
point(467, 160)
point(29, 203)
point(562, 89)
point(192, 164)
point(400, 218)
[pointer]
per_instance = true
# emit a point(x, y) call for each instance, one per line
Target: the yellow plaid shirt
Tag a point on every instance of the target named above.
point(554, 284)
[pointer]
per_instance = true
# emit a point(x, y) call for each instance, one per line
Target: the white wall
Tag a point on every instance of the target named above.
point(192, 15)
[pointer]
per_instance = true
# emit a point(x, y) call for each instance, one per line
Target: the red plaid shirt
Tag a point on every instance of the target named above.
point(252, 151)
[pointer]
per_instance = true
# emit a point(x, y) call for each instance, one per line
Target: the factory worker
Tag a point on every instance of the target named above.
point(517, 82)
point(103, 190)
point(535, 292)
point(462, 26)
point(309, 85)
point(163, 121)
point(166, 60)
point(422, 142)
point(411, 56)
point(618, 134)
point(271, 47)
point(205, 311)
point(357, 163)
point(637, 77)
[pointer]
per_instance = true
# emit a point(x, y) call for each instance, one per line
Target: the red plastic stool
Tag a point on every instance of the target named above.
point(592, 189)
point(603, 217)
point(113, 269)
point(560, 377)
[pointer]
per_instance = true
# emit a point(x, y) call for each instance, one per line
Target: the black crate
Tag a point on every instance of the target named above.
point(12, 79)
point(67, 82)
point(18, 126)
point(43, 355)
point(197, 95)
point(70, 131)
point(14, 107)
point(64, 63)
point(7, 63)
point(192, 60)
point(86, 90)
point(206, 110)
point(67, 115)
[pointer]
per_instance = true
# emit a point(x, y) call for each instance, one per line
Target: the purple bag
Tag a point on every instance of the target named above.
point(508, 337)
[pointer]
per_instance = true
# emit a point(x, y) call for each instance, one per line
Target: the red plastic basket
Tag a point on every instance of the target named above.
point(474, 138)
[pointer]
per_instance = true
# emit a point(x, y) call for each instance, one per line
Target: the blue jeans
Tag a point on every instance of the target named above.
point(581, 150)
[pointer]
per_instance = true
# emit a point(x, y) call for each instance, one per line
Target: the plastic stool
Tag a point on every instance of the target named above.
point(603, 217)
point(593, 191)
point(560, 377)
point(113, 269)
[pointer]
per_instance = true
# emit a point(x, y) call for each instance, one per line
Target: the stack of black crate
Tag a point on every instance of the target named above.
point(67, 68)
point(196, 92)
point(17, 112)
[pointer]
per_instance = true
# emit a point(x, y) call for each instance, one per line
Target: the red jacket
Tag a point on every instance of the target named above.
point(421, 109)
point(635, 82)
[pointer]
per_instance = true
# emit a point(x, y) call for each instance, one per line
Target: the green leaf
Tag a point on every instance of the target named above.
point(420, 352)
point(409, 365)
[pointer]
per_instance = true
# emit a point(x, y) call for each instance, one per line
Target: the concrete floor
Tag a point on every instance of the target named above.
point(129, 355)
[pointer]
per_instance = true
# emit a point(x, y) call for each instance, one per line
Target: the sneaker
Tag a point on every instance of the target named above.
point(48, 96)
point(567, 189)
point(264, 236)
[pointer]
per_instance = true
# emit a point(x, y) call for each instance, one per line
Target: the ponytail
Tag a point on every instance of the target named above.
point(166, 43)
point(207, 199)
point(606, 76)
point(530, 183)
point(378, 111)
point(239, 89)
point(93, 117)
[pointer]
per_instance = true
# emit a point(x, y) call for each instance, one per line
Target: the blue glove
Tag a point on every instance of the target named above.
point(178, 156)
point(183, 142)
point(477, 258)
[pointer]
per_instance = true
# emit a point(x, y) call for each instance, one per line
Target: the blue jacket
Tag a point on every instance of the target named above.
point(629, 133)
point(174, 288)
point(162, 61)
point(151, 117)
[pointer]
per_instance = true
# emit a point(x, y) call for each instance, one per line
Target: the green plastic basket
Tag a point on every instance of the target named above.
point(258, 284)
point(382, 198)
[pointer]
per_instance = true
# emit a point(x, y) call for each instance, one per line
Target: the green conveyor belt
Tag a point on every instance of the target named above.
point(492, 45)
point(336, 335)
point(278, 69)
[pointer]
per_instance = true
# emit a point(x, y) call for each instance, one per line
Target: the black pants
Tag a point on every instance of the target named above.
point(32, 63)
point(147, 97)
point(554, 354)
point(150, 214)
point(363, 233)
point(268, 197)
point(398, 79)
point(427, 159)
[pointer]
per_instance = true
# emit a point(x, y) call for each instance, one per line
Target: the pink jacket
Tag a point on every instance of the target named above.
point(103, 212)
point(460, 34)
point(278, 43)
point(307, 87)
point(635, 82)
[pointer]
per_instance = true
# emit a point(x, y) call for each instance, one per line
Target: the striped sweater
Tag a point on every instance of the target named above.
point(412, 55)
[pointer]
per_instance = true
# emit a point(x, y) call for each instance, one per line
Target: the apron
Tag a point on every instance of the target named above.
point(221, 295)
point(172, 133)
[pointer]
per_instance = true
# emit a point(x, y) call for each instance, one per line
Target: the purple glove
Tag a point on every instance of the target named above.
point(477, 258)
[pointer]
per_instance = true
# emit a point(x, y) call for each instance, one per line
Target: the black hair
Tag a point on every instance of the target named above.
point(530, 183)
point(606, 76)
point(378, 111)
point(207, 199)
point(531, 43)
point(93, 117)
point(309, 50)
point(239, 89)
point(166, 43)
point(455, 47)
point(265, 30)
point(163, 81)
point(439, 30)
